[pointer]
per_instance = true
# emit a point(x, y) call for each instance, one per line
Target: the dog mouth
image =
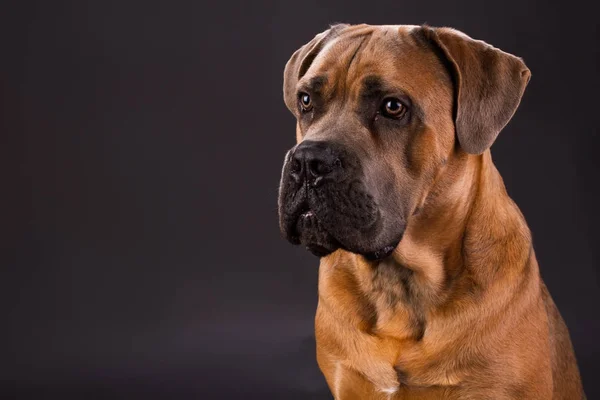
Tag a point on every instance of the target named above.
point(309, 231)
point(339, 214)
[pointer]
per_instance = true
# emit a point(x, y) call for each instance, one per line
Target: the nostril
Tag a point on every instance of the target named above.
point(318, 168)
point(295, 166)
point(314, 163)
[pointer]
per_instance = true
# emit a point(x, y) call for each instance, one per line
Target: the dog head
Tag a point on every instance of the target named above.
point(380, 110)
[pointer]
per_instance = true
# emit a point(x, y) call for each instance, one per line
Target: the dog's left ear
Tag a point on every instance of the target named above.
point(488, 86)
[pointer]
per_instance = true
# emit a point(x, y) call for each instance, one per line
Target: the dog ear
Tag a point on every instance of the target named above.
point(301, 60)
point(488, 86)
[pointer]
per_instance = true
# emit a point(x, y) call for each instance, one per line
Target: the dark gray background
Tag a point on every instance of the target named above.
point(144, 140)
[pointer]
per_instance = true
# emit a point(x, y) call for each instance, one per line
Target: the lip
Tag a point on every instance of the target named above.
point(307, 214)
point(381, 254)
point(302, 216)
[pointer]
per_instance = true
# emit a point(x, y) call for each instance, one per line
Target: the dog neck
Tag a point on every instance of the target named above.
point(452, 244)
point(453, 255)
point(467, 249)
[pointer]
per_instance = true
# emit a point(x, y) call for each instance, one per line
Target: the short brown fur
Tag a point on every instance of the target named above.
point(459, 310)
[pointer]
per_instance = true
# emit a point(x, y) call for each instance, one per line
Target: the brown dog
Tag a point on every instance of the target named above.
point(429, 287)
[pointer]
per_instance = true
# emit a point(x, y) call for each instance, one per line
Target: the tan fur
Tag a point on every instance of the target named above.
point(474, 319)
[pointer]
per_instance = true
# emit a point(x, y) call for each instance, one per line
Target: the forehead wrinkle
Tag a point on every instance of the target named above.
point(402, 64)
point(330, 61)
point(331, 55)
point(373, 67)
point(364, 43)
point(356, 51)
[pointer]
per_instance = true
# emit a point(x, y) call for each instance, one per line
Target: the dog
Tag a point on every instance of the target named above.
point(429, 286)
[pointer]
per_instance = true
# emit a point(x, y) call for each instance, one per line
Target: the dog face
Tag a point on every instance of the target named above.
point(380, 112)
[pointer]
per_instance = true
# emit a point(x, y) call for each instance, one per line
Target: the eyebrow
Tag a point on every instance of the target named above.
point(314, 84)
point(373, 86)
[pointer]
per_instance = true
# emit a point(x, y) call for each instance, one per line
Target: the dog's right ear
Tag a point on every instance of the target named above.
point(301, 60)
point(488, 86)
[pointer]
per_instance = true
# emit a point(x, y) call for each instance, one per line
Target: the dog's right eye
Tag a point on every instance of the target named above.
point(305, 101)
point(393, 108)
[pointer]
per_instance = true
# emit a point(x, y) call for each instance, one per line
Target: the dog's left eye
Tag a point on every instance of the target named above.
point(393, 108)
point(305, 101)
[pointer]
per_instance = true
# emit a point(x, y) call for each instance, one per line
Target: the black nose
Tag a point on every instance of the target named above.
point(315, 162)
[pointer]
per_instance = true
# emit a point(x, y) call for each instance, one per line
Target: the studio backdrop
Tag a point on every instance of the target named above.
point(143, 145)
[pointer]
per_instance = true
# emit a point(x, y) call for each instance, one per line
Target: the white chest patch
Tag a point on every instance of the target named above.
point(390, 390)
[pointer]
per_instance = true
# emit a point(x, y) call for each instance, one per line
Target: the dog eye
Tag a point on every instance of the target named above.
point(393, 108)
point(305, 101)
